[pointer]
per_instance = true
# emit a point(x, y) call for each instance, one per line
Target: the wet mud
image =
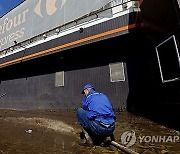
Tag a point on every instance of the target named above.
point(57, 132)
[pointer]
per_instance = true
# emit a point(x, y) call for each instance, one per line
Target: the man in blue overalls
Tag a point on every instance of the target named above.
point(96, 116)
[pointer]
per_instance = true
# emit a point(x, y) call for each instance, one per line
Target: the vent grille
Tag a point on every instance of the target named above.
point(117, 72)
point(59, 79)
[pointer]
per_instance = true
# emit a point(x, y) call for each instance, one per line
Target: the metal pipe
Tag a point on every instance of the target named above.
point(123, 148)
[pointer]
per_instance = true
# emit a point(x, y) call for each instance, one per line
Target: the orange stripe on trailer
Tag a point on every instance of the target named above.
point(74, 43)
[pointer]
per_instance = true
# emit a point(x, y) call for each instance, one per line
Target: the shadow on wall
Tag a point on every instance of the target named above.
point(162, 107)
point(148, 96)
point(160, 20)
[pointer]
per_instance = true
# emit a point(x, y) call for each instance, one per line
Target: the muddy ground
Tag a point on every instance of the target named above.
point(56, 132)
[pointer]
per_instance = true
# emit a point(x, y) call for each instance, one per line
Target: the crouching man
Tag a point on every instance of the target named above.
point(96, 117)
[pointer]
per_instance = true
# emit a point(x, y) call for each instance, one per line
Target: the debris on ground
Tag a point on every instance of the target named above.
point(57, 131)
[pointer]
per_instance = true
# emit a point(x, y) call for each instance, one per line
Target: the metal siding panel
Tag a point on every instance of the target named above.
point(100, 28)
point(40, 91)
point(35, 79)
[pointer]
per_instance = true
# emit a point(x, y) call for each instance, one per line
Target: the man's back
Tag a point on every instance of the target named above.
point(99, 107)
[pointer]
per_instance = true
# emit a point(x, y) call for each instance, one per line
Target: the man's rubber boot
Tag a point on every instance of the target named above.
point(112, 137)
point(87, 137)
point(107, 140)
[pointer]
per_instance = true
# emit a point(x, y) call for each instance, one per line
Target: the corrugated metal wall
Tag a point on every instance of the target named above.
point(31, 84)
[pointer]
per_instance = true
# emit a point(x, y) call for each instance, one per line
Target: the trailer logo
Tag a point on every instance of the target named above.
point(50, 7)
